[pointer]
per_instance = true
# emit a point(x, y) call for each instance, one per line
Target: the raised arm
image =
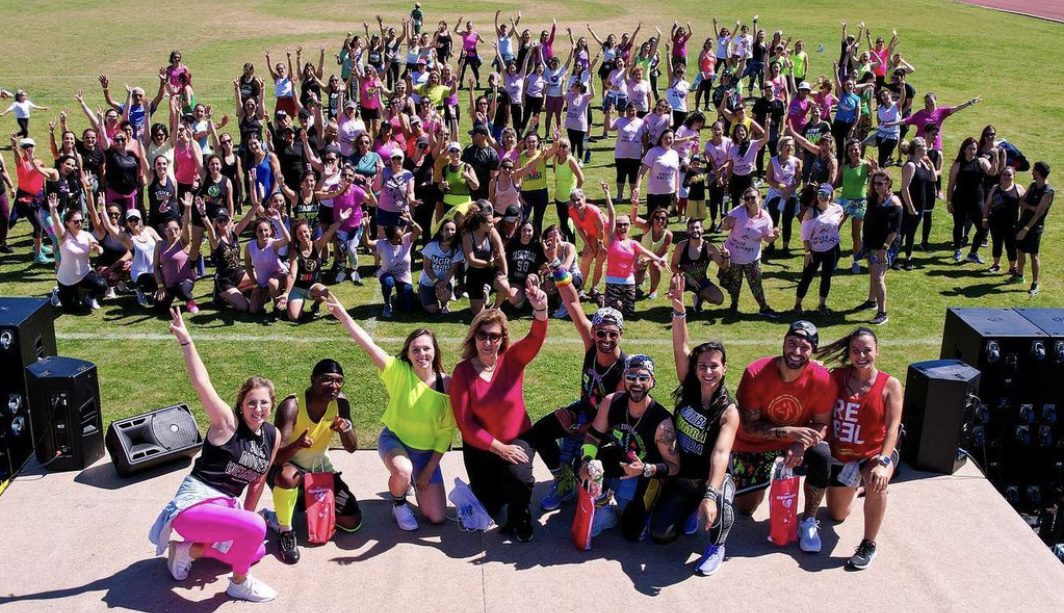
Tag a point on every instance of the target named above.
point(219, 414)
point(680, 344)
point(378, 356)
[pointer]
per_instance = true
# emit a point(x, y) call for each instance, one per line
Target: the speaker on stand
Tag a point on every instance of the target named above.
point(139, 443)
point(65, 406)
point(27, 334)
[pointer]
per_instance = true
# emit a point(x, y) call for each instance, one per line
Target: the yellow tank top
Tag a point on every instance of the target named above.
point(313, 458)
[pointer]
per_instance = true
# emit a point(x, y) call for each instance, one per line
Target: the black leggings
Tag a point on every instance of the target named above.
point(534, 206)
point(496, 482)
point(925, 229)
point(627, 171)
point(841, 131)
point(576, 141)
point(826, 262)
point(93, 285)
point(789, 209)
point(23, 127)
point(182, 290)
point(392, 74)
point(681, 497)
point(1003, 234)
point(5, 215)
point(517, 116)
point(716, 201)
point(738, 185)
point(566, 228)
point(473, 62)
point(886, 149)
point(963, 213)
point(909, 224)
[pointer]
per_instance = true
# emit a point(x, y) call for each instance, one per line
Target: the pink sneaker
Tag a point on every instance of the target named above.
point(192, 307)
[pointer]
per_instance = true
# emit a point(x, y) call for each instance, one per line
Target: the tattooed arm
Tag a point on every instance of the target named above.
point(665, 438)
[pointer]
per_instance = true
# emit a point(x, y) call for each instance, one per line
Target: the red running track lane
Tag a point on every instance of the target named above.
point(1052, 10)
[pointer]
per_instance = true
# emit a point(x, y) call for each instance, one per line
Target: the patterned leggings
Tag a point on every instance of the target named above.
point(732, 280)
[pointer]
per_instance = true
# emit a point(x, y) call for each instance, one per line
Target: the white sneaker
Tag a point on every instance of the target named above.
point(179, 560)
point(605, 518)
point(404, 517)
point(809, 535)
point(92, 304)
point(341, 275)
point(110, 293)
point(251, 590)
point(54, 298)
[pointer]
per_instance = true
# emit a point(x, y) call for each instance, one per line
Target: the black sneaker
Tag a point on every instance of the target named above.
point(879, 319)
point(908, 265)
point(523, 532)
point(288, 545)
point(862, 558)
point(768, 313)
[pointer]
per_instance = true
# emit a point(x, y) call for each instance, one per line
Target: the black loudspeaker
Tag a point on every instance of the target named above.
point(1005, 346)
point(64, 398)
point(940, 408)
point(145, 441)
point(27, 334)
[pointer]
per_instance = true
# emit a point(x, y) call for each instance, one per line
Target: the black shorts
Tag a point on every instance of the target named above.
point(477, 279)
point(660, 201)
point(472, 59)
point(369, 114)
point(627, 169)
point(1031, 241)
point(223, 282)
point(534, 105)
point(346, 503)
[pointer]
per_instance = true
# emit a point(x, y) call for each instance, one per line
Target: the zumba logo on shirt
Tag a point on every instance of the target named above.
point(784, 410)
point(844, 424)
point(691, 431)
point(251, 465)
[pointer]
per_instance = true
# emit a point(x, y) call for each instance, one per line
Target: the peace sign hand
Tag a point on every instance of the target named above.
point(177, 326)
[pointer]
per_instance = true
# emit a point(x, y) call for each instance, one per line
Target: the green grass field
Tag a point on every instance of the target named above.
point(959, 52)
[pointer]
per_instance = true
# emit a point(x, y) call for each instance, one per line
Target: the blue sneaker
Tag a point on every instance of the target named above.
point(691, 525)
point(710, 560)
point(562, 490)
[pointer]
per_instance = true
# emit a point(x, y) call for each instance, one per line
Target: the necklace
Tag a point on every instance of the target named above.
point(486, 368)
point(863, 387)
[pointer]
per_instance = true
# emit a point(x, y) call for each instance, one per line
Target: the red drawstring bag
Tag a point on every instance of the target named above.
point(584, 520)
point(321, 506)
point(783, 505)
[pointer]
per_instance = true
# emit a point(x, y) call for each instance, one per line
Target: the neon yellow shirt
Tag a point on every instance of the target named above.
point(313, 458)
point(420, 416)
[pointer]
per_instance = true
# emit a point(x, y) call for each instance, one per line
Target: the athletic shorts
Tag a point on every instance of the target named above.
point(1031, 241)
point(388, 218)
point(854, 207)
point(696, 209)
point(480, 281)
point(369, 114)
point(228, 281)
point(534, 104)
point(298, 293)
point(388, 442)
point(621, 297)
point(346, 503)
point(836, 470)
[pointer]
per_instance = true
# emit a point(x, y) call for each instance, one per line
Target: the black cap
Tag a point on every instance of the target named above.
point(327, 366)
point(481, 130)
point(513, 211)
point(804, 329)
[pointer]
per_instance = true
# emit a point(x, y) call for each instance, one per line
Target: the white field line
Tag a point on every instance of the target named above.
point(371, 323)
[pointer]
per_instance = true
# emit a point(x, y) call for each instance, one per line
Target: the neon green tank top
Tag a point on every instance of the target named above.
point(536, 178)
point(564, 180)
point(459, 186)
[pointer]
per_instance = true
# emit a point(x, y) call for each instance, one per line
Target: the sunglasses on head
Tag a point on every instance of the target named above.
point(491, 337)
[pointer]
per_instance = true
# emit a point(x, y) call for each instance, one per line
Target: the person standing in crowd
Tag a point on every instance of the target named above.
point(820, 238)
point(853, 177)
point(1033, 210)
point(238, 448)
point(1000, 214)
point(865, 428)
point(917, 195)
point(965, 198)
point(706, 421)
point(936, 115)
point(590, 225)
point(484, 160)
point(633, 437)
point(23, 107)
point(487, 395)
point(879, 241)
point(784, 177)
point(173, 272)
point(656, 238)
point(305, 426)
point(747, 226)
point(785, 407)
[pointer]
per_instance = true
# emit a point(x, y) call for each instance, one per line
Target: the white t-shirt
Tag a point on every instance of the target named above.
point(664, 174)
point(718, 154)
point(677, 95)
point(395, 259)
point(629, 145)
point(21, 109)
point(744, 240)
point(555, 78)
point(822, 231)
point(576, 111)
point(639, 94)
point(685, 147)
point(743, 165)
point(439, 261)
point(74, 263)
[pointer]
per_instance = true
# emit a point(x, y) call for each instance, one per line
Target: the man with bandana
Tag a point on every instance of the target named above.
point(306, 425)
point(634, 438)
point(600, 375)
point(785, 407)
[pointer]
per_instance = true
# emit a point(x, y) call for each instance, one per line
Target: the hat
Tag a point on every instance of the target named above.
point(512, 213)
point(639, 361)
point(804, 329)
point(350, 105)
point(222, 213)
point(304, 114)
point(396, 154)
point(27, 142)
point(454, 146)
point(422, 140)
point(280, 114)
point(696, 158)
point(608, 316)
point(422, 60)
point(133, 214)
point(415, 121)
point(804, 85)
point(327, 366)
point(481, 130)
point(826, 188)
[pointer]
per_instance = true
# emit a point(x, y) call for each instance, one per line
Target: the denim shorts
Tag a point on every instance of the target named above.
point(388, 442)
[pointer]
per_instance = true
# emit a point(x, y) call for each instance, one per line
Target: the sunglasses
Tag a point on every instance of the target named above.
point(115, 215)
point(76, 221)
point(623, 225)
point(637, 378)
point(606, 334)
point(120, 139)
point(490, 337)
point(748, 198)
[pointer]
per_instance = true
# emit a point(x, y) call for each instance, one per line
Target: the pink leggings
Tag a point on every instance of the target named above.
point(216, 521)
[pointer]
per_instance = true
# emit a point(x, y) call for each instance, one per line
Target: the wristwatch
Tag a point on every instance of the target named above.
point(885, 460)
point(648, 470)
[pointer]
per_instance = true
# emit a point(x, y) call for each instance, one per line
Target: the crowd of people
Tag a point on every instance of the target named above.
point(369, 163)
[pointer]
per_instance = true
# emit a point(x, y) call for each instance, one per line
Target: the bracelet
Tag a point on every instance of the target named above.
point(186, 343)
point(349, 427)
point(534, 310)
point(711, 494)
point(678, 314)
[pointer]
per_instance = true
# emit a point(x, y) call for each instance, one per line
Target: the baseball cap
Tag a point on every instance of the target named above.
point(27, 142)
point(454, 146)
point(422, 140)
point(222, 214)
point(804, 85)
point(696, 158)
point(133, 214)
point(396, 154)
point(350, 105)
point(826, 188)
point(639, 361)
point(280, 114)
point(481, 130)
point(512, 213)
point(804, 329)
point(608, 316)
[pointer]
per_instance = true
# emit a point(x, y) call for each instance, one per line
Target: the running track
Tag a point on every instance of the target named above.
point(1052, 10)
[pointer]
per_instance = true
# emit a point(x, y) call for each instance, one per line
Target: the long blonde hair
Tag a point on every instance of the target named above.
point(485, 317)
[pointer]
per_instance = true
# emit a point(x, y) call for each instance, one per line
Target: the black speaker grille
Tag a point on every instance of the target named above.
point(174, 428)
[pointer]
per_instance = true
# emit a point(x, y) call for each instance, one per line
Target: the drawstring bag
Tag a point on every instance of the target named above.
point(584, 519)
point(320, 501)
point(783, 505)
point(472, 516)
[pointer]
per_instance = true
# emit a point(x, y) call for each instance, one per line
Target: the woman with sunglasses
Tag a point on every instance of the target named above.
point(306, 258)
point(487, 397)
point(74, 273)
point(656, 238)
point(628, 148)
point(232, 285)
point(232, 168)
point(879, 240)
point(140, 240)
point(1002, 211)
point(123, 169)
point(918, 195)
point(485, 258)
point(568, 176)
point(706, 420)
point(349, 194)
point(747, 225)
point(820, 237)
point(115, 261)
point(173, 275)
point(621, 256)
point(739, 166)
point(854, 173)
point(396, 193)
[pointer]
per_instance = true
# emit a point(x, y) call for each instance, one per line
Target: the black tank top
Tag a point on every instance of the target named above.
point(250, 127)
point(113, 250)
point(444, 44)
point(162, 202)
point(697, 429)
point(306, 210)
point(597, 381)
point(229, 172)
point(637, 434)
point(821, 170)
point(231, 466)
point(309, 268)
point(1033, 197)
point(215, 194)
point(483, 250)
point(922, 187)
point(694, 268)
point(226, 255)
point(968, 189)
point(1005, 204)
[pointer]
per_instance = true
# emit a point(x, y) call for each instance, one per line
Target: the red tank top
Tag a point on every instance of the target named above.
point(858, 423)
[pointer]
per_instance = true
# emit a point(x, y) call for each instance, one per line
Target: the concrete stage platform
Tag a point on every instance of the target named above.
point(78, 542)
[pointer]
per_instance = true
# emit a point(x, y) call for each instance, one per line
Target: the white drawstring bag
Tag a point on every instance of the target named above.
point(472, 516)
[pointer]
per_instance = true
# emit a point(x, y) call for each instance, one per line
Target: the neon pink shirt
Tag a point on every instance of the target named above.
point(185, 164)
point(937, 116)
point(620, 261)
point(469, 42)
point(351, 199)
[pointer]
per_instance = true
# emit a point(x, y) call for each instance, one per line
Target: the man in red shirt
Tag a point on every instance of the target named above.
point(785, 407)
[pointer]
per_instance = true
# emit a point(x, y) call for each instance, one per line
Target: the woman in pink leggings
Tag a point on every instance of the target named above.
point(240, 445)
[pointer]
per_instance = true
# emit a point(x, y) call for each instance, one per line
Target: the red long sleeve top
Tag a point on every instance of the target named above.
point(489, 410)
